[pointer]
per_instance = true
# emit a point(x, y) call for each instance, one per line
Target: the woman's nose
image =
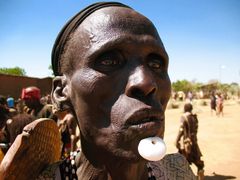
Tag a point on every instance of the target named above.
point(141, 84)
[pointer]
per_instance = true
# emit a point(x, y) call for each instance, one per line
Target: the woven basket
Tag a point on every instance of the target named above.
point(32, 151)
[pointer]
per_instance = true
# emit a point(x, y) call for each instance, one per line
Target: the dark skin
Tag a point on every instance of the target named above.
point(34, 104)
point(118, 91)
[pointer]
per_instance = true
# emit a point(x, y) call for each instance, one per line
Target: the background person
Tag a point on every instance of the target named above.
point(68, 128)
point(31, 97)
point(219, 104)
point(186, 141)
point(213, 102)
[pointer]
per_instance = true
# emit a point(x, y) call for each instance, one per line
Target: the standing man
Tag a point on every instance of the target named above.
point(187, 138)
point(213, 102)
point(219, 102)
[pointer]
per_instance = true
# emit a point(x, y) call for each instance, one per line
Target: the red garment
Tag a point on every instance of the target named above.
point(30, 93)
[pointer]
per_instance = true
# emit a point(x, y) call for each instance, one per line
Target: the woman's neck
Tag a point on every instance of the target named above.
point(128, 171)
point(86, 170)
point(111, 171)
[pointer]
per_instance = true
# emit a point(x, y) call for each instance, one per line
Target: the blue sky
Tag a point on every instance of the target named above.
point(202, 38)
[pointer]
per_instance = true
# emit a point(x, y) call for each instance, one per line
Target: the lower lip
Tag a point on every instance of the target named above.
point(147, 125)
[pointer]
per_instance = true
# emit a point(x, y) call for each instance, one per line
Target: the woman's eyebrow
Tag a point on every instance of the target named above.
point(118, 42)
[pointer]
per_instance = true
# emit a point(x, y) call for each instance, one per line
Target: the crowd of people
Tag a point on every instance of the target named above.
point(16, 114)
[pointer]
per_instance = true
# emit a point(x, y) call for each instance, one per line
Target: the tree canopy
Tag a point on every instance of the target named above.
point(186, 86)
point(212, 86)
point(13, 71)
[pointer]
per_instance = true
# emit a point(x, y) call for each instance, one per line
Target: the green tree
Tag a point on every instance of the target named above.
point(13, 71)
point(197, 86)
point(234, 88)
point(182, 85)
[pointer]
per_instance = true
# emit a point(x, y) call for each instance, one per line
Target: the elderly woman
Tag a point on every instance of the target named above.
point(112, 72)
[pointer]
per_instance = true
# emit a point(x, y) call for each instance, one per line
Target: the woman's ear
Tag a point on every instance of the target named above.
point(60, 94)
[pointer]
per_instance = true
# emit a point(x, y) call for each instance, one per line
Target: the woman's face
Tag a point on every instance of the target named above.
point(120, 86)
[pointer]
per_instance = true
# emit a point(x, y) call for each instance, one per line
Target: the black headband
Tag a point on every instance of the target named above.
point(70, 26)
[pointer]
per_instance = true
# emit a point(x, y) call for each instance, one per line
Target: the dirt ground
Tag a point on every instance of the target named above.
point(218, 137)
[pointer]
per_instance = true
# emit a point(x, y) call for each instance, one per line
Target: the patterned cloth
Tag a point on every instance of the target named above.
point(171, 167)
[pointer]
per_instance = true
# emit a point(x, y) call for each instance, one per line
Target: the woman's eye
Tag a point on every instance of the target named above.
point(109, 61)
point(156, 62)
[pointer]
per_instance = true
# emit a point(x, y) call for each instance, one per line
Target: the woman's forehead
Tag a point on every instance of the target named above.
point(114, 23)
point(118, 12)
point(116, 18)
